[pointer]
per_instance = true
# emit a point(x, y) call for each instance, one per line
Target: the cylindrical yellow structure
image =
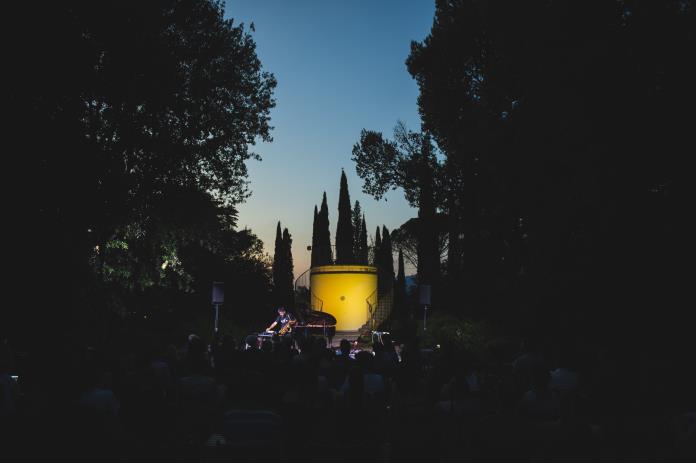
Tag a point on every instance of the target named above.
point(342, 291)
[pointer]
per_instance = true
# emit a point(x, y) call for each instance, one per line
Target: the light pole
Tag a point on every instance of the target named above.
point(218, 299)
point(424, 299)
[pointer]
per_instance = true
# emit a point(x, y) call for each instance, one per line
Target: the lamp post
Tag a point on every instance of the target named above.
point(424, 299)
point(218, 299)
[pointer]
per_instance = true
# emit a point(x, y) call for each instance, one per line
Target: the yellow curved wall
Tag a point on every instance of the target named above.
point(342, 291)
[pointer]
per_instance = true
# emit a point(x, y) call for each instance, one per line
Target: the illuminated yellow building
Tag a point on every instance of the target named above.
point(343, 291)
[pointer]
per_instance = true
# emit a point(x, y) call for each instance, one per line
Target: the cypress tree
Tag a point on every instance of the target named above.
point(315, 236)
point(279, 256)
point(400, 289)
point(362, 257)
point(356, 220)
point(288, 291)
point(387, 254)
point(344, 226)
point(324, 254)
point(377, 250)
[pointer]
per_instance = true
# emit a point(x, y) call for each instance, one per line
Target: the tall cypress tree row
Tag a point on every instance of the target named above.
point(315, 236)
point(283, 278)
point(288, 290)
point(344, 226)
point(362, 257)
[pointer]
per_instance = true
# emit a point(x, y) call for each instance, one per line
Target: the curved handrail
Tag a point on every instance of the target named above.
point(302, 275)
point(371, 313)
point(302, 281)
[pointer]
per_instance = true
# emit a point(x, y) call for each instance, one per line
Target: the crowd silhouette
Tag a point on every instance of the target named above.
point(184, 400)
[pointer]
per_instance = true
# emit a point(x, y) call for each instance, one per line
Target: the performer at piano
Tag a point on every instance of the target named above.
point(284, 322)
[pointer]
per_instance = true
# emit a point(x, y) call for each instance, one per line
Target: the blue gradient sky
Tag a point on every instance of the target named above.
point(340, 68)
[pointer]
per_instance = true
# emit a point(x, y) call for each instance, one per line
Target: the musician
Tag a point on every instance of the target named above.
point(284, 317)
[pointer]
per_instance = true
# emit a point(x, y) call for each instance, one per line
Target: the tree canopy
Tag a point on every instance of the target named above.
point(564, 128)
point(133, 124)
point(408, 161)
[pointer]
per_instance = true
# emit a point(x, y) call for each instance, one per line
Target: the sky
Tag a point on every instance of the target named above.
point(340, 67)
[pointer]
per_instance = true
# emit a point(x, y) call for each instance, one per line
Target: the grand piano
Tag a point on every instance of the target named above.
point(314, 322)
point(310, 323)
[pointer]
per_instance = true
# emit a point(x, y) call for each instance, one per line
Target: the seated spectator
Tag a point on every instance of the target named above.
point(564, 379)
point(99, 399)
point(197, 394)
point(525, 363)
point(250, 342)
point(266, 346)
point(198, 385)
point(344, 349)
point(251, 428)
point(340, 366)
point(540, 402)
point(161, 373)
point(461, 395)
point(373, 385)
point(386, 360)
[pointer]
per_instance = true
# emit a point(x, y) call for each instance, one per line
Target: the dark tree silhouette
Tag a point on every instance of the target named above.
point(321, 250)
point(356, 220)
point(362, 257)
point(564, 183)
point(387, 254)
point(377, 249)
point(279, 264)
point(344, 226)
point(146, 113)
point(283, 268)
point(428, 255)
point(400, 289)
point(408, 162)
point(289, 269)
point(405, 238)
point(315, 239)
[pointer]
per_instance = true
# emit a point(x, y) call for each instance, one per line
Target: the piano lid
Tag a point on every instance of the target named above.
point(316, 318)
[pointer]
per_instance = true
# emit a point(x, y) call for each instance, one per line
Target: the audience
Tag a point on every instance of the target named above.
point(157, 399)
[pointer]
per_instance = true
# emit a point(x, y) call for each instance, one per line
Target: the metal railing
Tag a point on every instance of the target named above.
point(379, 305)
point(303, 280)
point(304, 294)
point(371, 302)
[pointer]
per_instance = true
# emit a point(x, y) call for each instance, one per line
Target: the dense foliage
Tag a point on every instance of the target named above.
point(564, 127)
point(408, 161)
point(133, 123)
